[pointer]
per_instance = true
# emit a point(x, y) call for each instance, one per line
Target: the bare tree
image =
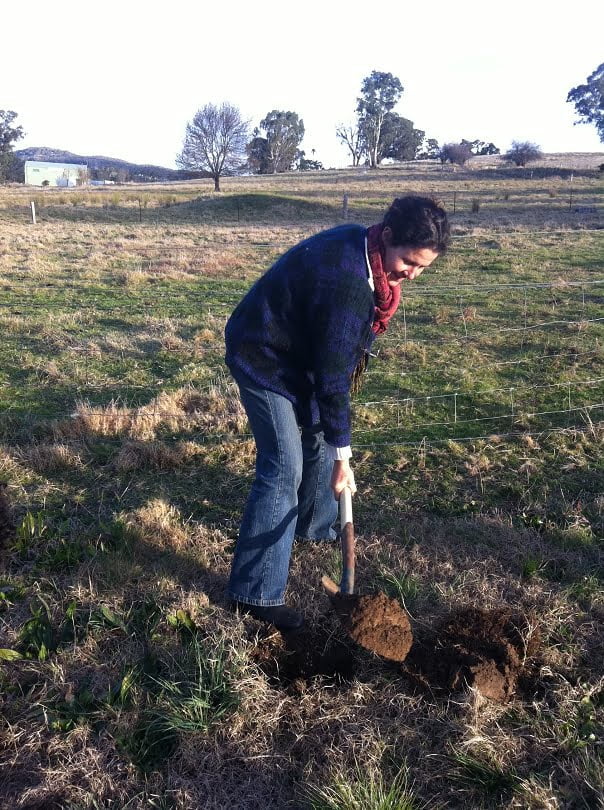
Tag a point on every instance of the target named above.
point(83, 176)
point(522, 152)
point(455, 153)
point(215, 141)
point(350, 135)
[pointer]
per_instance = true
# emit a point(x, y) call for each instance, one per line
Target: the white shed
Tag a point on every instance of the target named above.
point(63, 175)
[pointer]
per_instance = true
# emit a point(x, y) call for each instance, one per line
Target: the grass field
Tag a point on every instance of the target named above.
point(478, 442)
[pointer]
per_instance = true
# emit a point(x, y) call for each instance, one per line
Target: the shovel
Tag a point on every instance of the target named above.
point(377, 623)
point(347, 540)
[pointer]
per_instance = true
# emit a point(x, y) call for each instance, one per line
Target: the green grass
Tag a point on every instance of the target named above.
point(197, 695)
point(478, 456)
point(365, 791)
point(488, 778)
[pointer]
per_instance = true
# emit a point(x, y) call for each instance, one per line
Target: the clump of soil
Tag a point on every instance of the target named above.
point(377, 623)
point(474, 647)
point(291, 658)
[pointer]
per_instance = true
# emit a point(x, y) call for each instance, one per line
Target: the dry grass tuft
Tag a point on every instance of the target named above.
point(158, 523)
point(48, 457)
point(108, 420)
point(217, 410)
point(138, 455)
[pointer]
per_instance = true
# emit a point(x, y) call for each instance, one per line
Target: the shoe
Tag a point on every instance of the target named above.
point(322, 540)
point(282, 617)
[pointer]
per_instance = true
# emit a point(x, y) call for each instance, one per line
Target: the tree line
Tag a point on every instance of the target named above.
point(217, 140)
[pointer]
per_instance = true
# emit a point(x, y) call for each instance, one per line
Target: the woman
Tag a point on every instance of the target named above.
point(294, 344)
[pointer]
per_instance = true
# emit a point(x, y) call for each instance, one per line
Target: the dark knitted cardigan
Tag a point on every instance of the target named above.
point(304, 325)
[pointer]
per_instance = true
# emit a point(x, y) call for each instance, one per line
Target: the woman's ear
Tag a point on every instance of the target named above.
point(387, 236)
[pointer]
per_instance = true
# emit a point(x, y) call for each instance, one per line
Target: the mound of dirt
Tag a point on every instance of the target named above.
point(473, 647)
point(377, 623)
point(486, 649)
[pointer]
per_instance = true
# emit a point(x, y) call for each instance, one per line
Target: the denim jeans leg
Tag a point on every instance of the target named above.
point(261, 561)
point(317, 508)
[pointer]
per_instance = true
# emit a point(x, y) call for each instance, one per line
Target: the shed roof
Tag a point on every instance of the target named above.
point(47, 164)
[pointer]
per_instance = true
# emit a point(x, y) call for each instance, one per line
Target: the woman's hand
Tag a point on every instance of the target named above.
point(342, 477)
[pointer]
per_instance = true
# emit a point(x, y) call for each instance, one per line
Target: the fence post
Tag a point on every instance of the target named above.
point(345, 206)
point(463, 317)
point(525, 319)
point(512, 406)
point(33, 212)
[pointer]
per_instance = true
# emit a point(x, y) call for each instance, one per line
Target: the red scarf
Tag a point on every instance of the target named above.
point(386, 297)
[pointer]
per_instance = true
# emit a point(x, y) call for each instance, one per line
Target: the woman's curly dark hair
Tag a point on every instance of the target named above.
point(420, 222)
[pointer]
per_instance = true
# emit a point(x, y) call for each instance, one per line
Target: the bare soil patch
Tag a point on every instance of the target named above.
point(490, 650)
point(292, 659)
point(486, 649)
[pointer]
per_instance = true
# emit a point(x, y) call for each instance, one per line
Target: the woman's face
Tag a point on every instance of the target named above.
point(404, 261)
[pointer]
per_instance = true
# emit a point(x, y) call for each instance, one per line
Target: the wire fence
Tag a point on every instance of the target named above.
point(520, 355)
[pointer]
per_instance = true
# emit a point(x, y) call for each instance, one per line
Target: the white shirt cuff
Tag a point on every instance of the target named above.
point(338, 453)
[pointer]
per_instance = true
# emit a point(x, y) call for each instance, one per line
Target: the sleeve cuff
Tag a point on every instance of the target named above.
point(337, 453)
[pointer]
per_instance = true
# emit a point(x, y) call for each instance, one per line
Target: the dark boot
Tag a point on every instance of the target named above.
point(282, 617)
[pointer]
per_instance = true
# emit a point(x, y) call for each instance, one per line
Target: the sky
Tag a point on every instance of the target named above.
point(122, 79)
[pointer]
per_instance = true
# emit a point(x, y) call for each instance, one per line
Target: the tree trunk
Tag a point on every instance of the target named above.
point(216, 182)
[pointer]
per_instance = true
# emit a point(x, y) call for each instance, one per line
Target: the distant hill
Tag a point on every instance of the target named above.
point(105, 168)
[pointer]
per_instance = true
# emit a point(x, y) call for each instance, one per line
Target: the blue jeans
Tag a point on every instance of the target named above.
point(291, 497)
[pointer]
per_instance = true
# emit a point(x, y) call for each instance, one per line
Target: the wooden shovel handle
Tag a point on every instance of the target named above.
point(347, 529)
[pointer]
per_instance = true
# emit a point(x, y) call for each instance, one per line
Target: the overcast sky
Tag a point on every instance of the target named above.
point(122, 79)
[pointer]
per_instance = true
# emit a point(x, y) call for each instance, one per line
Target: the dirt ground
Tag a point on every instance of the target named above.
point(489, 650)
point(486, 649)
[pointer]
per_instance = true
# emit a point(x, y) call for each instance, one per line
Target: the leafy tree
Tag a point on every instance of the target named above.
point(481, 148)
point(215, 141)
point(257, 153)
point(351, 137)
point(522, 152)
point(588, 99)
point(428, 149)
point(455, 153)
point(307, 164)
point(399, 140)
point(278, 150)
point(379, 94)
point(10, 166)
